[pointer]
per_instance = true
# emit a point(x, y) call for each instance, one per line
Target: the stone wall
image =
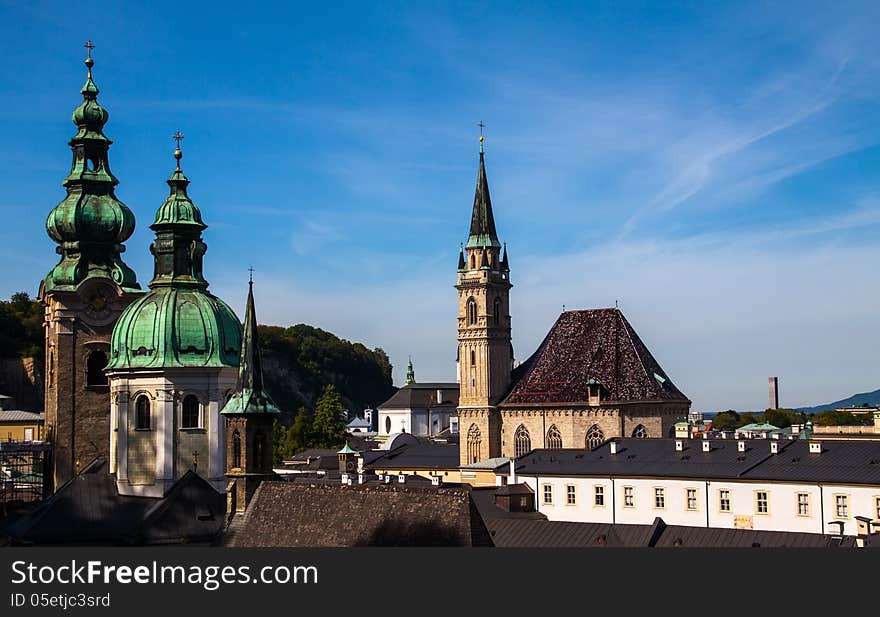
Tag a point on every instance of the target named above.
point(22, 379)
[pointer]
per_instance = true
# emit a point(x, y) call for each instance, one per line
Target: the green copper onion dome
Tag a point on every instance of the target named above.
point(90, 224)
point(178, 323)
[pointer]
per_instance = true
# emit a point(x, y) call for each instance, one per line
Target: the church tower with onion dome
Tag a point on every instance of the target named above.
point(84, 293)
point(174, 359)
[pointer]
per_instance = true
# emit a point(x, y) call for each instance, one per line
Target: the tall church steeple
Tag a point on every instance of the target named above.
point(250, 414)
point(91, 223)
point(410, 374)
point(484, 340)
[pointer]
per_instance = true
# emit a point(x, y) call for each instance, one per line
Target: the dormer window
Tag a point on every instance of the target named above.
point(594, 391)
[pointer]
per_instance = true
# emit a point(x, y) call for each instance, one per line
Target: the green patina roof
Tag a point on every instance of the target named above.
point(482, 232)
point(178, 323)
point(410, 373)
point(90, 224)
point(346, 449)
point(250, 395)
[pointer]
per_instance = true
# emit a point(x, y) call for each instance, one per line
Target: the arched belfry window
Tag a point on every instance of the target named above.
point(471, 311)
point(554, 438)
point(640, 432)
point(95, 364)
point(189, 415)
point(496, 312)
point(142, 413)
point(474, 440)
point(522, 441)
point(473, 262)
point(595, 437)
point(236, 449)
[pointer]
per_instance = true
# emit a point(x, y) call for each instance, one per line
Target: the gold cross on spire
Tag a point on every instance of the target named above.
point(481, 125)
point(177, 153)
point(89, 46)
point(89, 62)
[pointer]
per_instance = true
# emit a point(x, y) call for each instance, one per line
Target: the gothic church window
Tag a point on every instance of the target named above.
point(522, 441)
point(471, 311)
point(594, 437)
point(640, 432)
point(474, 439)
point(142, 413)
point(236, 449)
point(189, 417)
point(554, 438)
point(95, 364)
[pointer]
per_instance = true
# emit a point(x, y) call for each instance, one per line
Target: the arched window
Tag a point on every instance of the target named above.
point(236, 449)
point(473, 358)
point(387, 425)
point(142, 412)
point(471, 311)
point(496, 312)
point(258, 451)
point(594, 437)
point(473, 263)
point(554, 437)
point(95, 364)
point(640, 432)
point(189, 417)
point(522, 442)
point(474, 440)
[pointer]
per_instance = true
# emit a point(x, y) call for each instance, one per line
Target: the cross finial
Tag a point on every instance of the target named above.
point(195, 455)
point(563, 308)
point(89, 46)
point(251, 270)
point(177, 153)
point(481, 125)
point(89, 62)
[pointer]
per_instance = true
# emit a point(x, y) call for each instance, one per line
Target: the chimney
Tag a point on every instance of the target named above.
point(706, 446)
point(512, 474)
point(774, 436)
point(679, 445)
point(344, 478)
point(815, 447)
point(613, 446)
point(436, 480)
point(774, 447)
point(439, 396)
point(387, 479)
point(774, 392)
point(362, 478)
point(401, 478)
point(740, 446)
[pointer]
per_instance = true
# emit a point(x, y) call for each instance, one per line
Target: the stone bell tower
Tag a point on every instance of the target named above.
point(84, 293)
point(250, 414)
point(485, 353)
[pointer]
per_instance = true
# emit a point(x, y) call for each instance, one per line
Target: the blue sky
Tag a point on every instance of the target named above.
point(712, 166)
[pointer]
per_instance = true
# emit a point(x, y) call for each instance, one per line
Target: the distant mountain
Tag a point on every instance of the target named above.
point(856, 400)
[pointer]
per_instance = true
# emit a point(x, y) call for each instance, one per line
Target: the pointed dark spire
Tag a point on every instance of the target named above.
point(504, 263)
point(462, 265)
point(484, 260)
point(250, 395)
point(482, 221)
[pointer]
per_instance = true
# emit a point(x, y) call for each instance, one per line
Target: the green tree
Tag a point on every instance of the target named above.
point(300, 435)
point(328, 428)
point(782, 417)
point(726, 420)
point(21, 327)
point(279, 442)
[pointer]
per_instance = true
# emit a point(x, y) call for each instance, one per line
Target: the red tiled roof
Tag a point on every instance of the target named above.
point(596, 344)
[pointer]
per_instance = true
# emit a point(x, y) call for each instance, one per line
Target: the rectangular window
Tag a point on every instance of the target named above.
point(724, 500)
point(600, 496)
point(762, 504)
point(803, 504)
point(877, 508)
point(841, 506)
point(570, 496)
point(691, 498)
point(659, 498)
point(628, 498)
point(548, 494)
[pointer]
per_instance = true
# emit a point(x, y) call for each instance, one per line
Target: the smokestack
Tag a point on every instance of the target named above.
point(774, 392)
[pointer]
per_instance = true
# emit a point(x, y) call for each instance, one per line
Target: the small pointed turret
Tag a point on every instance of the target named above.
point(462, 264)
point(484, 260)
point(505, 266)
point(250, 396)
point(410, 373)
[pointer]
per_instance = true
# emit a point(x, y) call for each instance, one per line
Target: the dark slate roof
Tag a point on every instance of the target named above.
point(422, 456)
point(88, 510)
point(597, 344)
point(648, 457)
point(557, 534)
point(418, 395)
point(514, 489)
point(851, 462)
point(484, 498)
point(326, 515)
